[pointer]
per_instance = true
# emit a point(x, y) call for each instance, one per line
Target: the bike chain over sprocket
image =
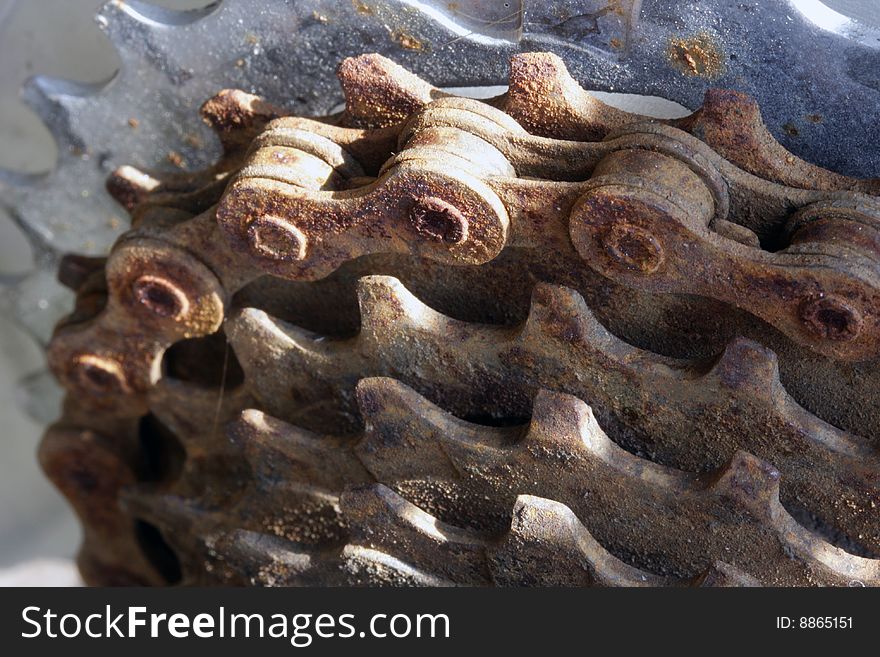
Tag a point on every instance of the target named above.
point(315, 362)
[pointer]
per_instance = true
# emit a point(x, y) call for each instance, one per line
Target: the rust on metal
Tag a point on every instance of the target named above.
point(698, 56)
point(435, 340)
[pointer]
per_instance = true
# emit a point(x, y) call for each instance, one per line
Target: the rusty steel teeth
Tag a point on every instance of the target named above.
point(546, 100)
point(91, 471)
point(407, 446)
point(379, 93)
point(681, 413)
point(308, 517)
point(663, 520)
point(261, 560)
point(394, 542)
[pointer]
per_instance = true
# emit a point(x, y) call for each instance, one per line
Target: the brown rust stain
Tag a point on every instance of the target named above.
point(193, 140)
point(407, 40)
point(176, 159)
point(696, 56)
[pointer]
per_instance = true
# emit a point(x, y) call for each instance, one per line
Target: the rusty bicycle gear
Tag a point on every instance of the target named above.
point(431, 340)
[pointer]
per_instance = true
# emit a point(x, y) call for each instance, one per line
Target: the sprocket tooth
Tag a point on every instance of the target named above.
point(118, 21)
point(379, 92)
point(393, 542)
point(307, 516)
point(731, 122)
point(744, 379)
point(547, 101)
point(545, 532)
point(238, 117)
point(277, 451)
point(746, 365)
point(173, 529)
point(751, 483)
point(152, 197)
point(44, 253)
point(365, 567)
point(91, 474)
point(58, 102)
point(270, 561)
point(130, 186)
point(196, 417)
point(560, 313)
point(116, 17)
point(403, 434)
point(175, 516)
point(262, 343)
point(563, 427)
point(195, 413)
point(380, 519)
point(322, 372)
point(673, 498)
point(264, 560)
point(234, 109)
point(386, 306)
point(252, 332)
point(826, 559)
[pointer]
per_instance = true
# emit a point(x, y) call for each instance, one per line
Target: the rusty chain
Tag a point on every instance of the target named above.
point(704, 220)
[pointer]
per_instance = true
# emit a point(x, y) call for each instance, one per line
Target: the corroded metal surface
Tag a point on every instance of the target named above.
point(710, 296)
point(692, 415)
point(393, 540)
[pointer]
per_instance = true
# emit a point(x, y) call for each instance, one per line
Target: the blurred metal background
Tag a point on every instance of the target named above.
point(58, 38)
